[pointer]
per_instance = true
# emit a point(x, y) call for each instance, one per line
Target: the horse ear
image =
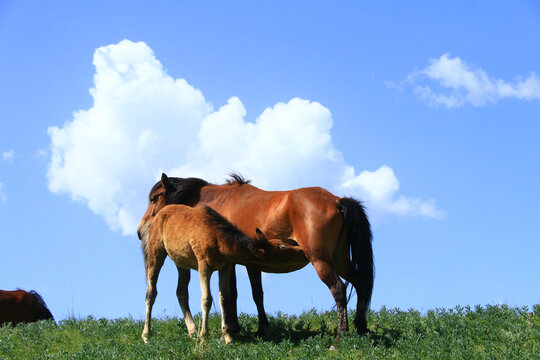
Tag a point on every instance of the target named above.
point(165, 182)
point(260, 235)
point(262, 242)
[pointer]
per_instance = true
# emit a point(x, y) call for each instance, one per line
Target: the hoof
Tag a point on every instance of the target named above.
point(263, 328)
point(192, 332)
point(203, 335)
point(228, 339)
point(145, 337)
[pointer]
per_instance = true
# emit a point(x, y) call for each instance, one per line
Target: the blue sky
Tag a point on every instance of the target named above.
point(427, 112)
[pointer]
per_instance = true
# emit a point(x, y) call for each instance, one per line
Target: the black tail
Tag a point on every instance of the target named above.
point(40, 308)
point(359, 237)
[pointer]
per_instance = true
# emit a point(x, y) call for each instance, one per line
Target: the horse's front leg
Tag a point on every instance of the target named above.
point(232, 312)
point(206, 297)
point(257, 291)
point(182, 294)
point(225, 301)
point(151, 294)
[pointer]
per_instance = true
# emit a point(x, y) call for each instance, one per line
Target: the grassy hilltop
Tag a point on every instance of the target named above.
point(492, 332)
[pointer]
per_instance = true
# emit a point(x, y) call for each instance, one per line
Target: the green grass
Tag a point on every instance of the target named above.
point(492, 332)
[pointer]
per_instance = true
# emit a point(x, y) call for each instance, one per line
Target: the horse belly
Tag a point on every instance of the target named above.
point(181, 254)
point(283, 267)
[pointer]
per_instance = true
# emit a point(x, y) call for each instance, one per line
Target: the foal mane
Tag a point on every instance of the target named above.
point(231, 232)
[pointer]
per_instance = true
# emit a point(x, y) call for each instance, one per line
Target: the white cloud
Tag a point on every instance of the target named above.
point(379, 189)
point(288, 145)
point(458, 83)
point(3, 195)
point(144, 122)
point(8, 155)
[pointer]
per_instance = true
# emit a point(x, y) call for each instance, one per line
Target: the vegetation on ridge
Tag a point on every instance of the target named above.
point(492, 332)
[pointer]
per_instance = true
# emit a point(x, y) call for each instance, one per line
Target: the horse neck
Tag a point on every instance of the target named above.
point(211, 194)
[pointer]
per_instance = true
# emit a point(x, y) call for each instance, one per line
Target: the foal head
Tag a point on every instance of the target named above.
point(275, 250)
point(169, 191)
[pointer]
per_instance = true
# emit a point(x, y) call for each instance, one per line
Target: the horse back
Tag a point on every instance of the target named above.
point(304, 215)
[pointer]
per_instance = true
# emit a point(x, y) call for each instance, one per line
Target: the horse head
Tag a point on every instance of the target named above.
point(157, 200)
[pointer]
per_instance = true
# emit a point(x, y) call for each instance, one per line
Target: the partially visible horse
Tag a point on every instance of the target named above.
point(19, 306)
point(202, 239)
point(333, 232)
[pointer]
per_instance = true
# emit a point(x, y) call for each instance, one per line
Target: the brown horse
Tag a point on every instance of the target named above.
point(334, 233)
point(19, 306)
point(202, 239)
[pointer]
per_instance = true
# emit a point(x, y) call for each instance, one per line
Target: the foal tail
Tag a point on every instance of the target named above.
point(41, 312)
point(359, 236)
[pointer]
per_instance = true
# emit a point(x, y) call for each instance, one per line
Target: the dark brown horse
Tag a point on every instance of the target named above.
point(19, 306)
point(333, 232)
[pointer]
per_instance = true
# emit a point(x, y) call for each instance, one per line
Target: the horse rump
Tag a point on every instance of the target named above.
point(41, 312)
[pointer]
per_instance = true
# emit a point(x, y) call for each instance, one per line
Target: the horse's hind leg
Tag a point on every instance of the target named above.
point(339, 291)
point(257, 292)
point(362, 303)
point(182, 294)
point(225, 301)
point(154, 263)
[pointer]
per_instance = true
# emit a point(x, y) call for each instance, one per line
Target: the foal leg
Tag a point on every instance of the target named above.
point(257, 293)
point(224, 301)
point(206, 299)
point(155, 262)
point(339, 291)
point(182, 294)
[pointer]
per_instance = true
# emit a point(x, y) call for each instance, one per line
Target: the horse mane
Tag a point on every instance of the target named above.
point(232, 233)
point(40, 308)
point(236, 179)
point(185, 188)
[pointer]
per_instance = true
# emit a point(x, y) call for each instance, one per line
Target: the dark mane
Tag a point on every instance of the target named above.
point(236, 178)
point(184, 189)
point(230, 231)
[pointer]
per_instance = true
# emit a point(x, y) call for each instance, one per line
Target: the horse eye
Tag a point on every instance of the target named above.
point(154, 198)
